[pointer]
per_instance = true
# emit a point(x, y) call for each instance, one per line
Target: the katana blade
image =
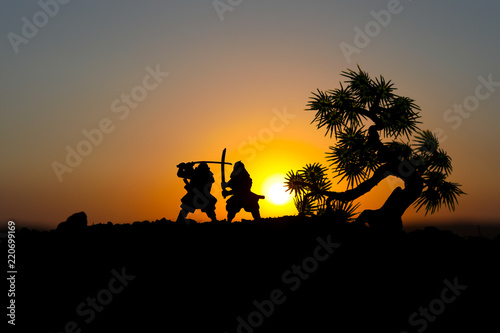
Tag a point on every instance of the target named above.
point(211, 162)
point(222, 163)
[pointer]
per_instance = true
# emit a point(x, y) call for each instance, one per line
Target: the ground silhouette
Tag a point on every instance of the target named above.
point(276, 275)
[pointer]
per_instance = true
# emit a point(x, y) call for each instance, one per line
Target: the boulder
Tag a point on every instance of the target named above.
point(76, 222)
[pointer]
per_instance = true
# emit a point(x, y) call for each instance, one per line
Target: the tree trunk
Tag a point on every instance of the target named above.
point(388, 217)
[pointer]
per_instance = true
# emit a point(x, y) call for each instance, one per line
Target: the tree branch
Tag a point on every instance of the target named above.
point(370, 115)
point(364, 187)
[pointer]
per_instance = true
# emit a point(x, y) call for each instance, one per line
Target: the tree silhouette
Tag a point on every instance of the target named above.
point(363, 160)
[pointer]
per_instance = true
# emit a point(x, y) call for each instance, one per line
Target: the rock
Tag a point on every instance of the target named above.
point(76, 222)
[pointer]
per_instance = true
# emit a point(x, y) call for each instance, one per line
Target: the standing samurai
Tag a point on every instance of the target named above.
point(198, 189)
point(240, 184)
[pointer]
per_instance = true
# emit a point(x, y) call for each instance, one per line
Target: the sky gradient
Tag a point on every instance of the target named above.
point(140, 86)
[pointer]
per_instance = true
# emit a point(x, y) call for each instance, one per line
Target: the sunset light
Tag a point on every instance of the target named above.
point(275, 191)
point(250, 166)
point(128, 102)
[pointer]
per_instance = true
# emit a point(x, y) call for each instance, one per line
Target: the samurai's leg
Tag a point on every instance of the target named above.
point(211, 215)
point(181, 218)
point(230, 216)
point(254, 208)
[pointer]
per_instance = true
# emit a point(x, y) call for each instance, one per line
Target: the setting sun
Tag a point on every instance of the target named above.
point(278, 195)
point(275, 191)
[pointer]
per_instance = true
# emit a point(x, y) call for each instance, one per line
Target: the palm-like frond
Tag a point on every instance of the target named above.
point(353, 158)
point(305, 205)
point(326, 114)
point(427, 142)
point(313, 173)
point(401, 149)
point(335, 110)
point(449, 194)
point(440, 161)
point(433, 179)
point(308, 185)
point(400, 117)
point(312, 178)
point(361, 85)
point(294, 183)
point(344, 101)
point(430, 199)
point(384, 91)
point(353, 173)
point(438, 192)
point(370, 160)
point(344, 211)
point(340, 108)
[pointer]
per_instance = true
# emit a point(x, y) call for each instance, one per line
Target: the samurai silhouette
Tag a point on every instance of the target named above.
point(240, 184)
point(198, 189)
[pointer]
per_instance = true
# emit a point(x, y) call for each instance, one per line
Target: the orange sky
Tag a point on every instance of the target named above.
point(196, 84)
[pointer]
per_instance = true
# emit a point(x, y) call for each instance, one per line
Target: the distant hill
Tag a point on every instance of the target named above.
point(464, 228)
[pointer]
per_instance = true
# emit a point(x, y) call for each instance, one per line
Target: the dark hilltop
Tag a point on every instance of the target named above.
point(276, 275)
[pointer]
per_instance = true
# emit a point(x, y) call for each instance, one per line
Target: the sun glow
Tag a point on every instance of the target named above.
point(275, 191)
